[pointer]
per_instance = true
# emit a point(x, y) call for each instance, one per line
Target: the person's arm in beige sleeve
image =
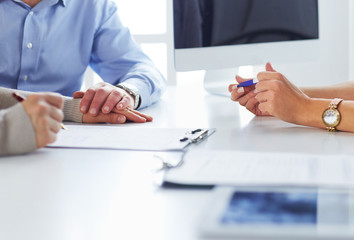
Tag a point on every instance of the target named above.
point(72, 112)
point(17, 135)
point(30, 124)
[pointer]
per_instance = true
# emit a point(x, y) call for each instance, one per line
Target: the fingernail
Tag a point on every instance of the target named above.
point(234, 87)
point(255, 91)
point(106, 109)
point(93, 111)
point(120, 119)
point(241, 90)
point(83, 109)
point(120, 105)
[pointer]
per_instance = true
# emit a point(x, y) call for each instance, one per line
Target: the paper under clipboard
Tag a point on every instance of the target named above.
point(213, 167)
point(129, 138)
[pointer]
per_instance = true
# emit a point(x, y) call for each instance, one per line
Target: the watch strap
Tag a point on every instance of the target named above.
point(132, 91)
point(335, 102)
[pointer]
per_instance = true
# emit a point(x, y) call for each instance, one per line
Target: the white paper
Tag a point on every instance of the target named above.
point(121, 137)
point(259, 168)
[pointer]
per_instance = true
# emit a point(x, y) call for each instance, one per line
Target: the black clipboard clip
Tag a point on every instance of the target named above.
point(197, 135)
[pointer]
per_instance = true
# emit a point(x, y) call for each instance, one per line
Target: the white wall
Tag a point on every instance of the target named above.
point(351, 40)
point(336, 48)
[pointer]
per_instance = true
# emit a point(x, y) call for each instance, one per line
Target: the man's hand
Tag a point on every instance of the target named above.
point(44, 110)
point(103, 97)
point(117, 117)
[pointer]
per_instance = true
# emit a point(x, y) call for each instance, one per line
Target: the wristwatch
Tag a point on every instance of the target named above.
point(331, 116)
point(132, 91)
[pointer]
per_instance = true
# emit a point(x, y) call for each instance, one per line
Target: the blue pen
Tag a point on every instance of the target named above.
point(248, 83)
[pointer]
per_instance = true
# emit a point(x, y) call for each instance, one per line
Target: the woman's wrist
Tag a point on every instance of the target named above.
point(311, 114)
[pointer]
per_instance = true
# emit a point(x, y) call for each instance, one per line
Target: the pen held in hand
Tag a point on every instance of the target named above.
point(21, 99)
point(248, 83)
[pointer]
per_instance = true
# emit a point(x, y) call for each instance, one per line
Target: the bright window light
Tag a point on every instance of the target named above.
point(143, 16)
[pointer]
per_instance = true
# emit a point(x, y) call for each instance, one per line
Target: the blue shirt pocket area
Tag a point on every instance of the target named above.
point(4, 56)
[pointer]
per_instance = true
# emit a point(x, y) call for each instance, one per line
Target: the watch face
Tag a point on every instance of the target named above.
point(331, 117)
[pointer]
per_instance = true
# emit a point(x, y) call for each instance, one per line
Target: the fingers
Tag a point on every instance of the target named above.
point(104, 97)
point(237, 93)
point(78, 94)
point(269, 67)
point(245, 98)
point(86, 100)
point(126, 101)
point(45, 127)
point(252, 106)
point(133, 116)
point(53, 99)
point(114, 118)
point(98, 100)
point(118, 117)
point(56, 114)
point(147, 117)
point(263, 76)
point(239, 80)
point(112, 100)
point(53, 125)
point(44, 111)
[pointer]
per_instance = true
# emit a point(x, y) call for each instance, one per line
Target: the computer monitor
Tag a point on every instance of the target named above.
point(221, 35)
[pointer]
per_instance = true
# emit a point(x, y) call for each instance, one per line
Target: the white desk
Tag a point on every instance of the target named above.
point(90, 194)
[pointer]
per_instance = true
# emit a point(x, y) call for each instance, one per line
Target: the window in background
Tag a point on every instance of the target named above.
point(147, 21)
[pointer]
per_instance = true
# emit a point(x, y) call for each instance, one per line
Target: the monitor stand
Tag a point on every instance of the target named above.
point(217, 81)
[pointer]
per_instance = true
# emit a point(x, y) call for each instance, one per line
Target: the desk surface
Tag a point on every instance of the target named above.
point(101, 194)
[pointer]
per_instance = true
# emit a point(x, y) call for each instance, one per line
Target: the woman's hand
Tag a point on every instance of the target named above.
point(277, 96)
point(44, 111)
point(246, 96)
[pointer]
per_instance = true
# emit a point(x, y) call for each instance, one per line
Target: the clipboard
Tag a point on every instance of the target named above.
point(112, 137)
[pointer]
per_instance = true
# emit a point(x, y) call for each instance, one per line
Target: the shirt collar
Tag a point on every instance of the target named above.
point(65, 2)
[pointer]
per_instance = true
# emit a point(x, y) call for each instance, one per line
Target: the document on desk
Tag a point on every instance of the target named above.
point(128, 138)
point(266, 169)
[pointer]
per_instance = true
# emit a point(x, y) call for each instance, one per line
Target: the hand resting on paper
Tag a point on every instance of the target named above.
point(116, 116)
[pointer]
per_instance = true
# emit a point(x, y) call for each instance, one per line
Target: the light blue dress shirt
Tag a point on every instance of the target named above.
point(49, 47)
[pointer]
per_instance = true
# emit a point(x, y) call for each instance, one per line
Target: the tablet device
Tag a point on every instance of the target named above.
point(279, 213)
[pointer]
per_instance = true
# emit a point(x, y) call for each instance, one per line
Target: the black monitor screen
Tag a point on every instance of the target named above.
point(208, 23)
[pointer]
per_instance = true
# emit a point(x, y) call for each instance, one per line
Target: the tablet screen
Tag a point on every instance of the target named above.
point(278, 213)
point(271, 208)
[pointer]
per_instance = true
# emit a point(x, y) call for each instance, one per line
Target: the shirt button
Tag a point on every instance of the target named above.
point(31, 13)
point(29, 45)
point(25, 77)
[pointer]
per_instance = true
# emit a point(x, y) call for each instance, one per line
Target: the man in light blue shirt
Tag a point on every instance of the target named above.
point(46, 45)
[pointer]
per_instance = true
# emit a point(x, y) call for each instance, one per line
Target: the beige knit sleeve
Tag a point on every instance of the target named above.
point(71, 106)
point(71, 110)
